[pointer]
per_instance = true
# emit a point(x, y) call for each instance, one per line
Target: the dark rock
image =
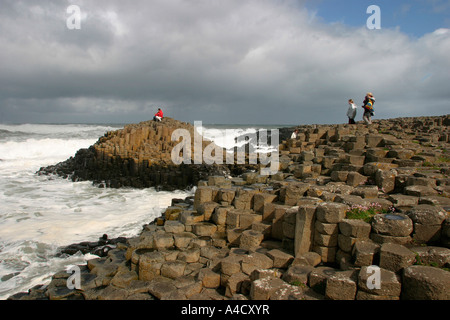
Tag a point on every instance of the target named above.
point(425, 283)
point(190, 253)
point(100, 248)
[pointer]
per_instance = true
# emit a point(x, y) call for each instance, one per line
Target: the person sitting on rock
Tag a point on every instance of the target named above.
point(294, 134)
point(159, 115)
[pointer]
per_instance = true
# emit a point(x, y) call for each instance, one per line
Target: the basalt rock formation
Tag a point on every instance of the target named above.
point(293, 235)
point(138, 156)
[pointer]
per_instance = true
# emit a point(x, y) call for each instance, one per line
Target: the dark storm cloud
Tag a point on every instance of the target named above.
point(217, 61)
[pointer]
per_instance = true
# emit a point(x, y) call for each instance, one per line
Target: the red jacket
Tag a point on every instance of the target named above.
point(159, 114)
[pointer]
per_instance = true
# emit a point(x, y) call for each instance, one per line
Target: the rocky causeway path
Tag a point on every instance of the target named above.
point(354, 213)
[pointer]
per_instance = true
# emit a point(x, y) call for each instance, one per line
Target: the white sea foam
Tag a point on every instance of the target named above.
point(40, 213)
point(40, 151)
point(228, 138)
point(55, 129)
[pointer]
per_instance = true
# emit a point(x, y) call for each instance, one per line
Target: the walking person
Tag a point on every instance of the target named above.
point(351, 112)
point(369, 101)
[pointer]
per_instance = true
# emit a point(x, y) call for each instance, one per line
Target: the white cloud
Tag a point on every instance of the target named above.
point(249, 61)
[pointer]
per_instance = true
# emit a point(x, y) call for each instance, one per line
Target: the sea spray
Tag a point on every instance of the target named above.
point(41, 213)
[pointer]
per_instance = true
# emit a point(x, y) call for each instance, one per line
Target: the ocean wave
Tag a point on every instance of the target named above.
point(225, 137)
point(45, 149)
point(6, 135)
point(24, 264)
point(19, 132)
point(229, 137)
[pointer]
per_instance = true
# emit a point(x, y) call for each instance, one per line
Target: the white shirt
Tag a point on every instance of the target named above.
point(351, 112)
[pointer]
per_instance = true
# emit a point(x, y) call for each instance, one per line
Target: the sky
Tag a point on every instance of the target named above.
point(221, 61)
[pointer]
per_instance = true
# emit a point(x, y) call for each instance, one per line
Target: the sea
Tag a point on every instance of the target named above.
point(39, 214)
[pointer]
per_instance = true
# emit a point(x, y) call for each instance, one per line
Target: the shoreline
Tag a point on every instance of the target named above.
point(237, 237)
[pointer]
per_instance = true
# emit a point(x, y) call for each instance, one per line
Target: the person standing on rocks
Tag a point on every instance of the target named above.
point(351, 112)
point(369, 101)
point(159, 115)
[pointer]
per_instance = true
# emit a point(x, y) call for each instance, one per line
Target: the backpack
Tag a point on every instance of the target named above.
point(368, 105)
